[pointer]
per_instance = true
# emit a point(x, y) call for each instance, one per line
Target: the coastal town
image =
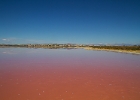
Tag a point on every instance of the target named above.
point(122, 47)
point(134, 49)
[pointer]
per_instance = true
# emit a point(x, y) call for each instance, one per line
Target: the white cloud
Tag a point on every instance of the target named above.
point(9, 39)
point(4, 39)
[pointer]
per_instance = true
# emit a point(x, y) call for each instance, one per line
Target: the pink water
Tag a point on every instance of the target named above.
point(47, 74)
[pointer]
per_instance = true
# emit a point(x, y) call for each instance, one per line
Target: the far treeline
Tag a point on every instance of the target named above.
point(55, 46)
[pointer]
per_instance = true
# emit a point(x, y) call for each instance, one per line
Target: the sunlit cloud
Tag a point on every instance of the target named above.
point(9, 39)
point(13, 40)
point(4, 39)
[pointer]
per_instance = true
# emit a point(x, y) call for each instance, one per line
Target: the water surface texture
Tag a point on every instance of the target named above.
point(61, 74)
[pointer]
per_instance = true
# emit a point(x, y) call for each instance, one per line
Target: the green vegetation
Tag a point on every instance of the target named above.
point(134, 47)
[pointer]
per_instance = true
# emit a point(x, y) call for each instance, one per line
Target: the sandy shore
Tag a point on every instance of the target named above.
point(113, 50)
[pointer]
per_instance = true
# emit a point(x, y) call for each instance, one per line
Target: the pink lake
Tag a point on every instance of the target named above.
point(61, 74)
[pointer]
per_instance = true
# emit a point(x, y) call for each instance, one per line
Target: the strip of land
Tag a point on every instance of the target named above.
point(115, 50)
point(133, 49)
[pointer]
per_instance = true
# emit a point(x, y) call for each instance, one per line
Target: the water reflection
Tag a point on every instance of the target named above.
point(60, 74)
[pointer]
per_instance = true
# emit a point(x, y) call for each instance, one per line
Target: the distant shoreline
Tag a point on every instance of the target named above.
point(134, 49)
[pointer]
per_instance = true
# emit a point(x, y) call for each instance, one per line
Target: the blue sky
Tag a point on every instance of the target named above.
point(70, 21)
